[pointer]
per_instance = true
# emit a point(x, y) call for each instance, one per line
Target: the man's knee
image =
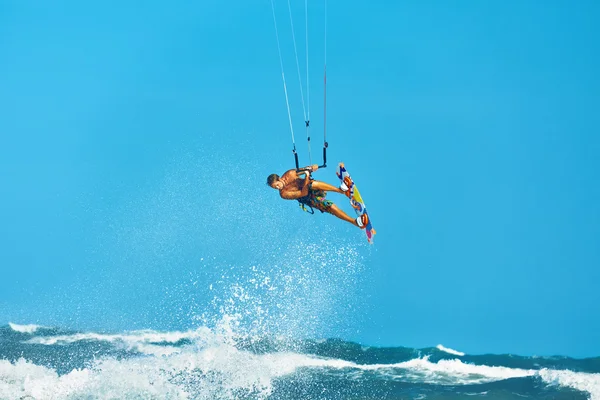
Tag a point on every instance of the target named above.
point(315, 184)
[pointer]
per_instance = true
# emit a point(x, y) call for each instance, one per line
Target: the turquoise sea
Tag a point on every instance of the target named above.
point(218, 363)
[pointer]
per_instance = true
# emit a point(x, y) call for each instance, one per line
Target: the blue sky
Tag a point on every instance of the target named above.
point(136, 142)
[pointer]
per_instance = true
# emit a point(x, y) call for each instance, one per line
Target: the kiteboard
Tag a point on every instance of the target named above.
point(355, 199)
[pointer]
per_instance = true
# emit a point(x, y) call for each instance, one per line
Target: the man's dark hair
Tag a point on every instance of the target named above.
point(272, 178)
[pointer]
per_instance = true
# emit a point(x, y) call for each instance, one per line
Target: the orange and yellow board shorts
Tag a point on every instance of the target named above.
point(316, 199)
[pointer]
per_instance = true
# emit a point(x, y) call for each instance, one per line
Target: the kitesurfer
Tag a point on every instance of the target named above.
point(311, 192)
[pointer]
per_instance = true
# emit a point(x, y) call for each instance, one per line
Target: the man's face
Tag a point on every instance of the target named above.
point(277, 185)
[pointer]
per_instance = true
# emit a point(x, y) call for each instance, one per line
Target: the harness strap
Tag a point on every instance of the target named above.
point(304, 205)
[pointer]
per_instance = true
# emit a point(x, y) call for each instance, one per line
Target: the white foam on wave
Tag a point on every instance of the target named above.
point(211, 367)
point(221, 372)
point(444, 372)
point(581, 381)
point(24, 328)
point(449, 372)
point(109, 380)
point(450, 351)
point(455, 372)
point(144, 341)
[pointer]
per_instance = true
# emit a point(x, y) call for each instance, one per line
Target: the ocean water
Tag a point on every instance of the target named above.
point(218, 363)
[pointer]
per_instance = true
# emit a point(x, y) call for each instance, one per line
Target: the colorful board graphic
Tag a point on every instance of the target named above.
point(356, 199)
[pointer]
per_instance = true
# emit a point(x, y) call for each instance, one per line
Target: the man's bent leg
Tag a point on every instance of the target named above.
point(334, 210)
point(318, 185)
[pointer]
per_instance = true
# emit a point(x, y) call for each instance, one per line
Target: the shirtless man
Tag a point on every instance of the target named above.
point(311, 192)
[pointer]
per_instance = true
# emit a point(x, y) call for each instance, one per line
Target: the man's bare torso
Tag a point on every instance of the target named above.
point(291, 182)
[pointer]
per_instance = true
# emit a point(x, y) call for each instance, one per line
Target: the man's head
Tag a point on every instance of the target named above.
point(274, 182)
